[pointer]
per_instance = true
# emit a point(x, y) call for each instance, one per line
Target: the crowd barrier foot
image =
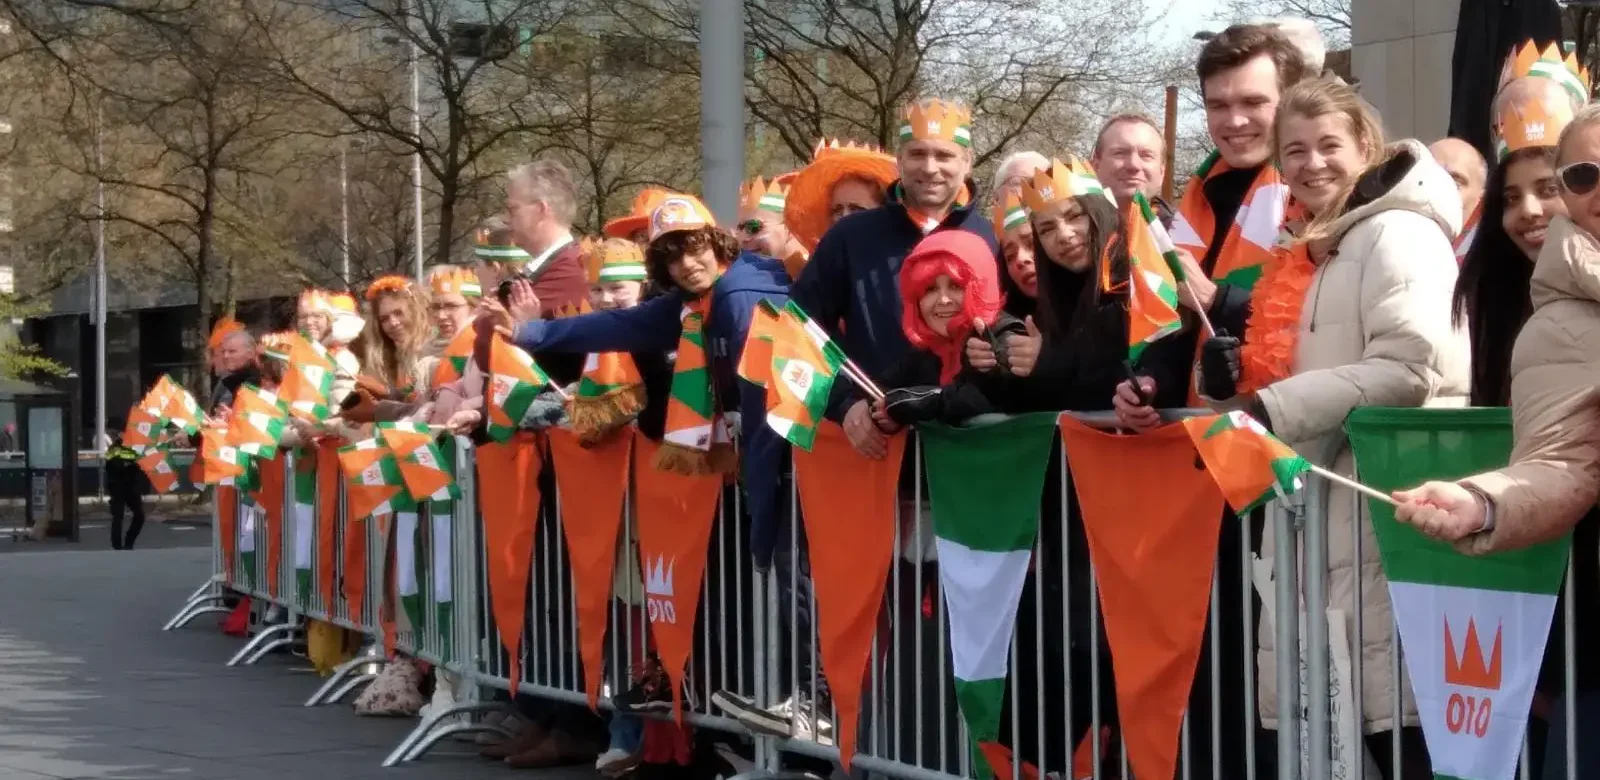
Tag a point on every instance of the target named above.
point(205, 601)
point(340, 683)
point(757, 773)
point(269, 639)
point(429, 732)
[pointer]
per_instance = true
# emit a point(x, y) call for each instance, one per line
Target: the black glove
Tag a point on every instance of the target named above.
point(998, 342)
point(911, 405)
point(1219, 367)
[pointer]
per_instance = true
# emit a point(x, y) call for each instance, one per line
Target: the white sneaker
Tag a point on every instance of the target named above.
point(616, 762)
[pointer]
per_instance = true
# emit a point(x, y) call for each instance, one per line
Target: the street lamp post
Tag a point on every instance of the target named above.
point(416, 154)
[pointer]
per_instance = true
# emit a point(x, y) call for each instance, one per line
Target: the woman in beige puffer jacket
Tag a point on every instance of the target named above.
point(1374, 330)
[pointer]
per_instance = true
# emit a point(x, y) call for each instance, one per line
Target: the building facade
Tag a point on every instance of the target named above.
point(1401, 51)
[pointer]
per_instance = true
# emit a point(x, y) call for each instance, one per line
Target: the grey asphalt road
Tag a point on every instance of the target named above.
point(90, 687)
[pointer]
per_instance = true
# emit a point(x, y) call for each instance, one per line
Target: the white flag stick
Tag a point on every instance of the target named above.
point(1352, 484)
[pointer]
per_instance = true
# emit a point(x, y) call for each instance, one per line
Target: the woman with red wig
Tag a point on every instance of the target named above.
point(948, 283)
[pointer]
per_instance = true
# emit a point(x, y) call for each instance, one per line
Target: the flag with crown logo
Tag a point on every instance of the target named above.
point(805, 363)
point(157, 465)
point(258, 421)
point(180, 407)
point(308, 379)
point(422, 464)
point(1474, 629)
point(514, 382)
point(1153, 276)
point(374, 484)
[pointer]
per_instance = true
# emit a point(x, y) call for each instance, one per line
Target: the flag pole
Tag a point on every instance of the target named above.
point(1205, 322)
point(1352, 484)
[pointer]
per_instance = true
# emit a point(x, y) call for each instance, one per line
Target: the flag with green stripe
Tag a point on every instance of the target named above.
point(1153, 276)
point(514, 382)
point(405, 570)
point(305, 522)
point(985, 484)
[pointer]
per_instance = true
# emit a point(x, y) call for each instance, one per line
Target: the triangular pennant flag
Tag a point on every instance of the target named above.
point(848, 503)
point(1474, 628)
point(269, 496)
point(1153, 552)
point(985, 484)
point(406, 585)
point(441, 569)
point(508, 492)
point(157, 465)
point(593, 483)
point(514, 382)
point(1250, 465)
point(676, 513)
point(328, 474)
point(304, 513)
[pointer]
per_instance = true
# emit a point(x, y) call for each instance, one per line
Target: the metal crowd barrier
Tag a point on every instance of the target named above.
point(910, 725)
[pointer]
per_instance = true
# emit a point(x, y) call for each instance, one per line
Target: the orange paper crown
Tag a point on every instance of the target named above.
point(1529, 60)
point(452, 280)
point(936, 119)
point(758, 194)
point(613, 260)
point(1009, 213)
point(384, 284)
point(225, 327)
point(1531, 123)
point(569, 310)
point(313, 300)
point(1062, 180)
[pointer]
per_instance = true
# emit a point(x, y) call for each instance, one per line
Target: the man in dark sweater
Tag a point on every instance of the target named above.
point(851, 286)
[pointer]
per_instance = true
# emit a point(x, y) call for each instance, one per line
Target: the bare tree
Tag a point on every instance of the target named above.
point(1031, 69)
point(478, 89)
point(1332, 17)
point(178, 90)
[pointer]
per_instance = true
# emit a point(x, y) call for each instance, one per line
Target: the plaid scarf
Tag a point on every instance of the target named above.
point(698, 439)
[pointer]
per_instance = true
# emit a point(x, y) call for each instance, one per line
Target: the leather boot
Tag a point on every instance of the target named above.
point(561, 749)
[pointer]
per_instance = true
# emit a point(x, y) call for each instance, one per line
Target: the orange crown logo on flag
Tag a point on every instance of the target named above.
point(1467, 669)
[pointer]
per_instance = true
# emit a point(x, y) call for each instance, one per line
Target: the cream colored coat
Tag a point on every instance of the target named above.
point(1554, 476)
point(1375, 331)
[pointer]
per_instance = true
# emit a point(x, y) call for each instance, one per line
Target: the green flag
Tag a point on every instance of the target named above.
point(985, 483)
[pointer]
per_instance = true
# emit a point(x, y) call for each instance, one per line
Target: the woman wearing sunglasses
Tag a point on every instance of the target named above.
point(1520, 199)
point(1553, 482)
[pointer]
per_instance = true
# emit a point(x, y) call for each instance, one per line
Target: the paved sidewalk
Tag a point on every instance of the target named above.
point(90, 687)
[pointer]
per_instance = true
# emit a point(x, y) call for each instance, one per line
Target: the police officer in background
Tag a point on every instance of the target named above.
point(124, 486)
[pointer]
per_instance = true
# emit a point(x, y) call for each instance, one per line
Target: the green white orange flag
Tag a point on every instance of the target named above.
point(985, 484)
point(308, 378)
point(453, 361)
point(304, 516)
point(142, 429)
point(157, 465)
point(755, 360)
point(1153, 270)
point(373, 481)
point(1475, 627)
point(258, 421)
point(1250, 464)
point(406, 525)
point(223, 463)
point(805, 363)
point(180, 407)
point(514, 382)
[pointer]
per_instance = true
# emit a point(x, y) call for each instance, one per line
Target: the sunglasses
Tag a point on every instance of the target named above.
point(1579, 178)
point(752, 227)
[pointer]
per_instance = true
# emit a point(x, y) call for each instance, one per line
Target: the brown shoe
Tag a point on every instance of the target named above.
point(531, 736)
point(561, 749)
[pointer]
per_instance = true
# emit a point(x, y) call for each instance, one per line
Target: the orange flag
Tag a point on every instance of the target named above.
point(227, 502)
point(1001, 762)
point(328, 473)
point(848, 503)
point(676, 513)
point(1153, 553)
point(157, 465)
point(354, 572)
point(269, 496)
point(508, 490)
point(593, 482)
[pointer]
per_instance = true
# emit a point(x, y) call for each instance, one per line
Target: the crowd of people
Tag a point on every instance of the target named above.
point(1335, 269)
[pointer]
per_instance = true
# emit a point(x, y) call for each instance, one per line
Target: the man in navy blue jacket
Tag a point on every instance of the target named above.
point(851, 286)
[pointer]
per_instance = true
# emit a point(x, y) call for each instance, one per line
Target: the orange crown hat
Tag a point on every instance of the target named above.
point(1530, 123)
point(936, 119)
point(1071, 179)
point(758, 194)
point(569, 310)
point(387, 283)
point(313, 299)
point(808, 209)
point(276, 345)
point(1550, 63)
point(224, 328)
point(453, 280)
point(613, 260)
point(1009, 213)
point(344, 318)
point(638, 214)
point(786, 178)
point(678, 212)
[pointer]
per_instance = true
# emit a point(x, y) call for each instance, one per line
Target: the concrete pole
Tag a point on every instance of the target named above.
point(722, 65)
